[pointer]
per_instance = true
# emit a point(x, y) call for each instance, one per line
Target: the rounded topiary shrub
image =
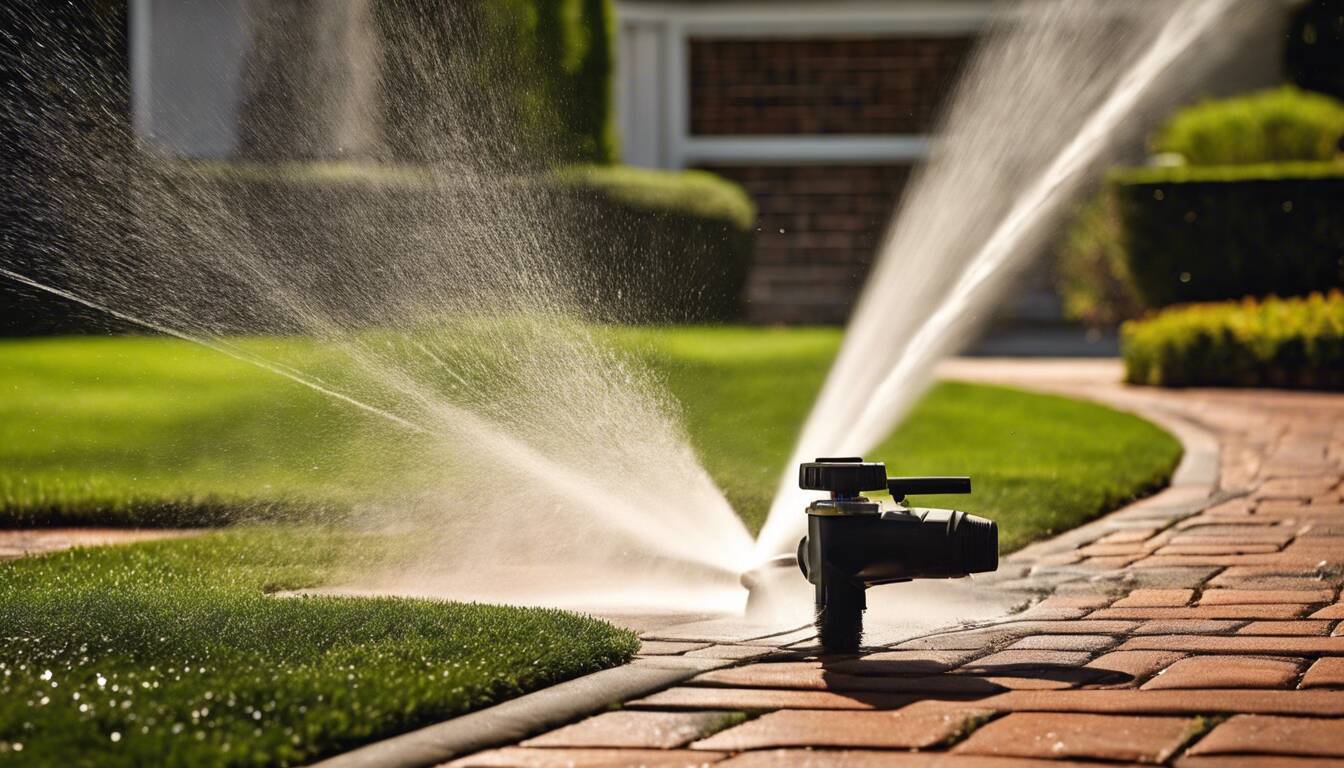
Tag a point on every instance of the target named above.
point(1276, 126)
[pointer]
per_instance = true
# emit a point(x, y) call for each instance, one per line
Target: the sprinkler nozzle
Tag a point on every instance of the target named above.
point(853, 543)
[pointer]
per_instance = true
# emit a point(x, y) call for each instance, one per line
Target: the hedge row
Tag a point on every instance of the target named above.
point(1282, 125)
point(362, 242)
point(660, 246)
point(1206, 234)
point(1261, 219)
point(1296, 343)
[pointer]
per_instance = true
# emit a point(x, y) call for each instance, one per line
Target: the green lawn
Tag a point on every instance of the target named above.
point(1040, 464)
point(170, 653)
point(160, 431)
point(174, 646)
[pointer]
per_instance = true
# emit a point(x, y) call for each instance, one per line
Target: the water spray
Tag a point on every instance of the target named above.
point(854, 543)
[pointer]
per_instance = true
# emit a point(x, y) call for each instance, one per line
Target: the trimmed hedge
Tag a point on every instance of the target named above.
point(1296, 343)
point(630, 245)
point(677, 246)
point(1208, 234)
point(1282, 125)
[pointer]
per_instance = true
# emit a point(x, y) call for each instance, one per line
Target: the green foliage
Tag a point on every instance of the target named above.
point(1315, 47)
point(1093, 268)
point(172, 653)
point(1207, 234)
point(670, 246)
point(563, 47)
point(529, 78)
point(1041, 464)
point(641, 245)
point(108, 426)
point(681, 193)
point(1276, 126)
point(1269, 343)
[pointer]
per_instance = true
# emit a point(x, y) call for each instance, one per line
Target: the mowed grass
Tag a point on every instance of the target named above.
point(1040, 464)
point(157, 431)
point(171, 653)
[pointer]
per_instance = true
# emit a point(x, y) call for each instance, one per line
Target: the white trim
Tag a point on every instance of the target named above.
point(760, 19)
point(142, 97)
point(676, 89)
point(838, 149)
point(666, 139)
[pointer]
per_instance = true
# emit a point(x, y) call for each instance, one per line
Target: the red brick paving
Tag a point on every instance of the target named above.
point(1155, 598)
point(1267, 735)
point(1102, 737)
point(1197, 672)
point(1253, 596)
point(1308, 627)
point(1160, 625)
point(1325, 673)
point(638, 730)
point(1242, 644)
point(917, 726)
point(799, 758)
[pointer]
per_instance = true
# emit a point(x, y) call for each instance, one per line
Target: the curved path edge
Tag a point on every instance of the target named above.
point(1026, 576)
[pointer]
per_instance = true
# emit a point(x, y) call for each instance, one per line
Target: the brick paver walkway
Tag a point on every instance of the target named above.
point(1200, 636)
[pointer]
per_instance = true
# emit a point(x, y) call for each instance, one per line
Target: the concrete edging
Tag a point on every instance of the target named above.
point(511, 721)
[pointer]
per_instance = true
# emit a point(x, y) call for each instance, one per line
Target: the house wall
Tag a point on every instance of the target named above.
point(820, 110)
point(820, 226)
point(820, 221)
point(820, 85)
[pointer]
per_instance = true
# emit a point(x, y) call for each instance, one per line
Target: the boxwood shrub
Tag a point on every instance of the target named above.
point(630, 245)
point(673, 246)
point(1275, 126)
point(1207, 234)
point(1295, 343)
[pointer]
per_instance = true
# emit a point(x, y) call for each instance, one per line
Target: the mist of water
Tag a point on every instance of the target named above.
point(447, 307)
point(1054, 90)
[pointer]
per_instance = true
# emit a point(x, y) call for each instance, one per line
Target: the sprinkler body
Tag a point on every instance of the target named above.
point(853, 543)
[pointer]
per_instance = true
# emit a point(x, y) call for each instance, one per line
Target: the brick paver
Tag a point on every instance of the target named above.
point(1104, 737)
point(1325, 673)
point(1202, 628)
point(1198, 672)
point(917, 726)
point(1267, 735)
point(639, 730)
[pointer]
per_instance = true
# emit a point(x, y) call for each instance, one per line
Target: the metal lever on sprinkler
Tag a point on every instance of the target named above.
point(853, 543)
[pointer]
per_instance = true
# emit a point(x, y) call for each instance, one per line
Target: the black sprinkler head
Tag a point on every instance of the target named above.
point(853, 543)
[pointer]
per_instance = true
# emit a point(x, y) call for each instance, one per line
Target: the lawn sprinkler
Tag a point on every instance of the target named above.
point(853, 543)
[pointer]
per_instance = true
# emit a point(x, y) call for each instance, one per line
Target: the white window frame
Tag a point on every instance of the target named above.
point(655, 128)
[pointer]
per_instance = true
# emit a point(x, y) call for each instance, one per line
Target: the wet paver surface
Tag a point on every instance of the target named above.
point(1200, 628)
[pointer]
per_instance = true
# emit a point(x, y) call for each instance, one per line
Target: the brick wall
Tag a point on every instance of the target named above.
point(822, 85)
point(820, 226)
